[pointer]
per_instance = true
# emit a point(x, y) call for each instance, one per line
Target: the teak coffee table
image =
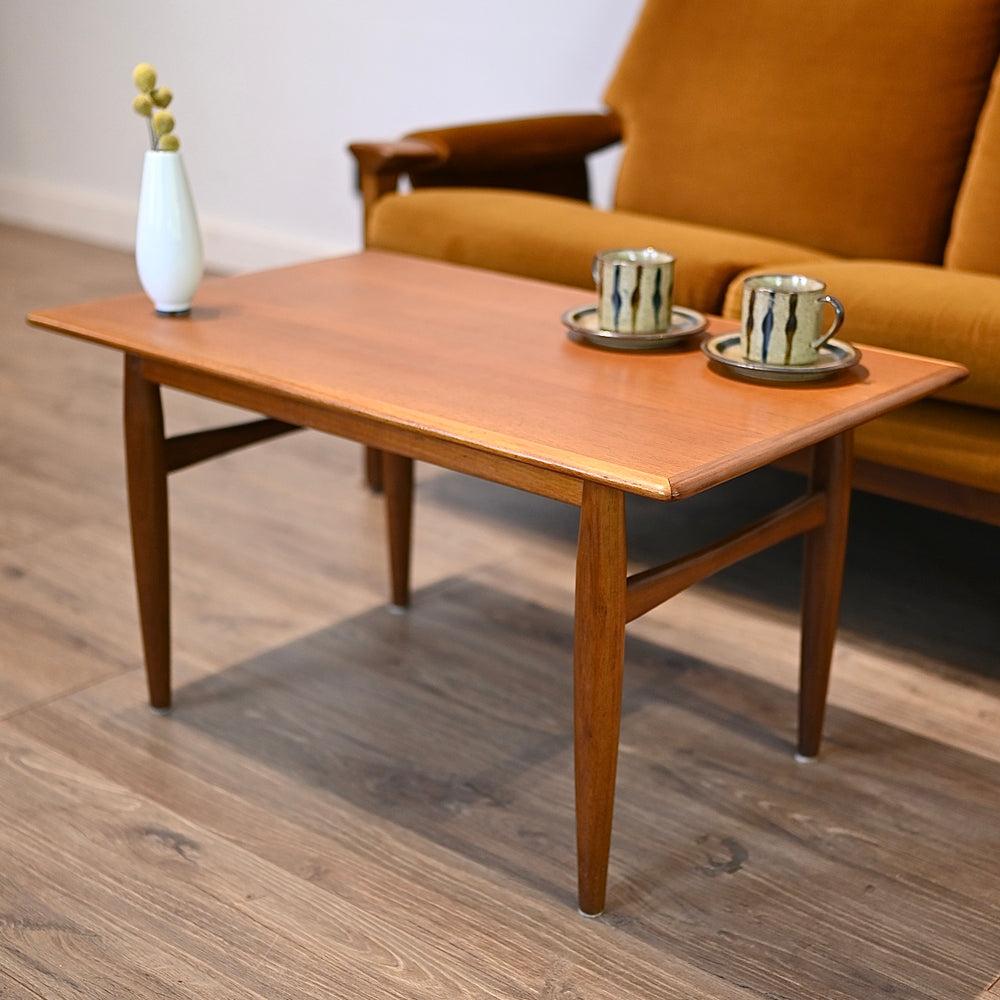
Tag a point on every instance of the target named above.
point(473, 371)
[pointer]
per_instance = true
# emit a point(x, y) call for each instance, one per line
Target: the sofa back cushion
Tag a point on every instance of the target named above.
point(842, 125)
point(975, 236)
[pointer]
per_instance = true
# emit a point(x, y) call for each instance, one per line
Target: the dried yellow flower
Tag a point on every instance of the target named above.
point(145, 77)
point(163, 122)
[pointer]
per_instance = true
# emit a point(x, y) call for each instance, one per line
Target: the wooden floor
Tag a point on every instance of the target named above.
point(349, 803)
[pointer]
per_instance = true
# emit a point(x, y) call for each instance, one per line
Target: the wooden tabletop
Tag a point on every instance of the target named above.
point(482, 359)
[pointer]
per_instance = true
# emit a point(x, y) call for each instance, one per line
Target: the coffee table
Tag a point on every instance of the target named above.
point(472, 370)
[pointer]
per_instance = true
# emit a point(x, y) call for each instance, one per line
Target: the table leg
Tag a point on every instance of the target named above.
point(373, 469)
point(599, 654)
point(823, 573)
point(147, 496)
point(397, 483)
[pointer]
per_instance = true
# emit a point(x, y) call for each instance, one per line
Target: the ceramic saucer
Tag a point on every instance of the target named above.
point(834, 356)
point(582, 326)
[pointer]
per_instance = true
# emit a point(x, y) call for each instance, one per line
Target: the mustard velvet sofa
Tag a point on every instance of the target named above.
point(856, 141)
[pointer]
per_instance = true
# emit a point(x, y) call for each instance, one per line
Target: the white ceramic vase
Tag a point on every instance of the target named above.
point(168, 254)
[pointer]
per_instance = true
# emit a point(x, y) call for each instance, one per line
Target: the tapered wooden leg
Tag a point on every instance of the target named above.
point(823, 574)
point(373, 469)
point(599, 654)
point(147, 496)
point(397, 483)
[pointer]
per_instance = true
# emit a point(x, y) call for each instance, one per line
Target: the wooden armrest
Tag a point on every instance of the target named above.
point(545, 154)
point(380, 165)
point(524, 142)
point(398, 157)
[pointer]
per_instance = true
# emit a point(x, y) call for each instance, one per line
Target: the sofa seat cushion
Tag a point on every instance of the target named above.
point(555, 239)
point(920, 309)
point(951, 442)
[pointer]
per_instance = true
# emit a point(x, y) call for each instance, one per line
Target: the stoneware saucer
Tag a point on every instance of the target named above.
point(834, 356)
point(582, 327)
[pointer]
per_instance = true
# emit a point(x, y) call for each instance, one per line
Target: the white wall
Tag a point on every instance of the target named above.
point(267, 95)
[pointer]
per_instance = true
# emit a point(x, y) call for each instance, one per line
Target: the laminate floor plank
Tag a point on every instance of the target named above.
point(357, 912)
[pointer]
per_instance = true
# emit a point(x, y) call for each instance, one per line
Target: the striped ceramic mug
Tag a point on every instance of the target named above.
point(783, 319)
point(635, 290)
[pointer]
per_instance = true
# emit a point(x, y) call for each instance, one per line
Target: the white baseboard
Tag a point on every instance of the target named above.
point(108, 221)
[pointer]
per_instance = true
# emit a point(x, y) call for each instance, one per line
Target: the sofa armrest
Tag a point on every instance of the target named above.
point(546, 154)
point(523, 142)
point(381, 164)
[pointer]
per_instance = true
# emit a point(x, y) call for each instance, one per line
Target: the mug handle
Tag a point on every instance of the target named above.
point(595, 268)
point(838, 320)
